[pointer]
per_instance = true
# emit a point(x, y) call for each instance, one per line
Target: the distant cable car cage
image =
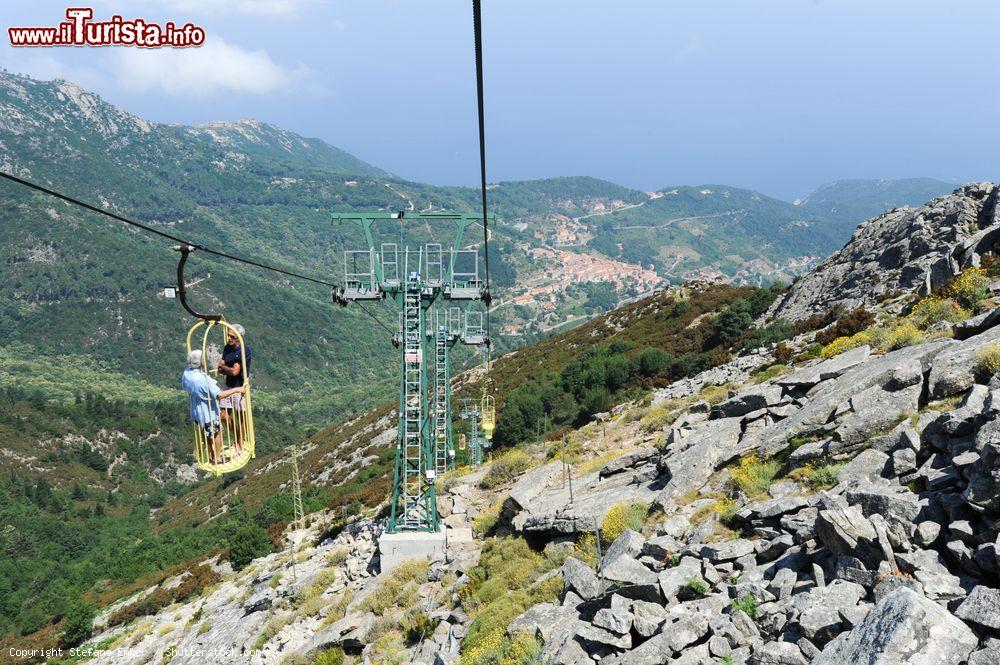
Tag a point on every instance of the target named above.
point(236, 444)
point(489, 416)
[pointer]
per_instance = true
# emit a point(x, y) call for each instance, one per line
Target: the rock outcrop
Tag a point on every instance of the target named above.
point(904, 250)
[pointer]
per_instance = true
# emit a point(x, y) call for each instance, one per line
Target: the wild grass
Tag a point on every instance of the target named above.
point(815, 476)
point(502, 586)
point(505, 468)
point(399, 589)
point(768, 373)
point(487, 520)
point(746, 604)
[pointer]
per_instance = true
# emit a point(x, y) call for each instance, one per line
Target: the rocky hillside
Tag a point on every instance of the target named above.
point(904, 250)
point(832, 498)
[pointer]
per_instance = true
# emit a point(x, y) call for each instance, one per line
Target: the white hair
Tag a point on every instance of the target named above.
point(194, 359)
point(240, 329)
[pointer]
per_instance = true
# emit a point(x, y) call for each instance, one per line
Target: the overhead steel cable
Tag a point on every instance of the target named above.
point(377, 320)
point(157, 232)
point(477, 29)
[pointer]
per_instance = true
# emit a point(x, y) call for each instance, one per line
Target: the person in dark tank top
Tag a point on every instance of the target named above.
point(231, 366)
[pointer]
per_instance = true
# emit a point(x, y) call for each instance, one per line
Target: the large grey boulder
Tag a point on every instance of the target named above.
point(627, 570)
point(981, 607)
point(531, 484)
point(726, 550)
point(628, 544)
point(824, 370)
point(953, 370)
point(873, 410)
point(904, 628)
point(672, 580)
point(555, 625)
point(866, 466)
point(827, 399)
point(778, 653)
point(899, 506)
point(748, 400)
point(928, 569)
point(983, 488)
point(820, 608)
point(647, 618)
point(688, 462)
point(847, 532)
point(580, 578)
point(671, 640)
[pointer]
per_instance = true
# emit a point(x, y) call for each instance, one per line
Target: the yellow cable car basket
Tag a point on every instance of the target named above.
point(489, 415)
point(233, 445)
point(461, 442)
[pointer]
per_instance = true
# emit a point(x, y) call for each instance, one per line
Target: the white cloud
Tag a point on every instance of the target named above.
point(215, 67)
point(339, 25)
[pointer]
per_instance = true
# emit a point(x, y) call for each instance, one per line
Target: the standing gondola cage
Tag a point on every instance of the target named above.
point(236, 445)
point(233, 445)
point(489, 411)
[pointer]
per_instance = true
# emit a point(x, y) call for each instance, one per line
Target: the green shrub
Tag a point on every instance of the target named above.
point(417, 627)
point(204, 627)
point(844, 344)
point(246, 543)
point(746, 604)
point(847, 325)
point(696, 586)
point(79, 621)
point(502, 586)
point(399, 589)
point(621, 517)
point(769, 373)
point(334, 656)
point(505, 469)
point(196, 579)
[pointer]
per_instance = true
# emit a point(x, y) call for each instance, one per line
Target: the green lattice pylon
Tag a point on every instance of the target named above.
point(414, 280)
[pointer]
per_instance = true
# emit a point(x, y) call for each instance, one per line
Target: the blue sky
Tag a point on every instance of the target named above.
point(778, 96)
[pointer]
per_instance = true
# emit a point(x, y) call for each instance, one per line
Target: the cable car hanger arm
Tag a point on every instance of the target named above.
point(185, 249)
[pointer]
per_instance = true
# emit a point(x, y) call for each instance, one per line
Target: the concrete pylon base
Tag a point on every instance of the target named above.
point(394, 548)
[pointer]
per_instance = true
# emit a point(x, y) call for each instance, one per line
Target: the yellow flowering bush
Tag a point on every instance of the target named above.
point(989, 359)
point(933, 310)
point(842, 344)
point(754, 476)
point(970, 287)
point(621, 517)
point(903, 335)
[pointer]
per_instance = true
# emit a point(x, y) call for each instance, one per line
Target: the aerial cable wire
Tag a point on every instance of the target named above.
point(477, 29)
point(162, 234)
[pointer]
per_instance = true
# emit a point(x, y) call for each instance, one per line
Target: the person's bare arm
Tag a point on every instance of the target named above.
point(231, 391)
point(230, 371)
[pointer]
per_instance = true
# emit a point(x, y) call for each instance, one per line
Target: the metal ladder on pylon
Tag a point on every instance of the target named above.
point(442, 397)
point(413, 416)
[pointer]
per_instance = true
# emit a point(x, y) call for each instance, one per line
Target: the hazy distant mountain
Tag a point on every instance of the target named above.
point(847, 202)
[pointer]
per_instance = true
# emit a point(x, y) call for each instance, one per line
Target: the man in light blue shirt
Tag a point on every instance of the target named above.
point(204, 396)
